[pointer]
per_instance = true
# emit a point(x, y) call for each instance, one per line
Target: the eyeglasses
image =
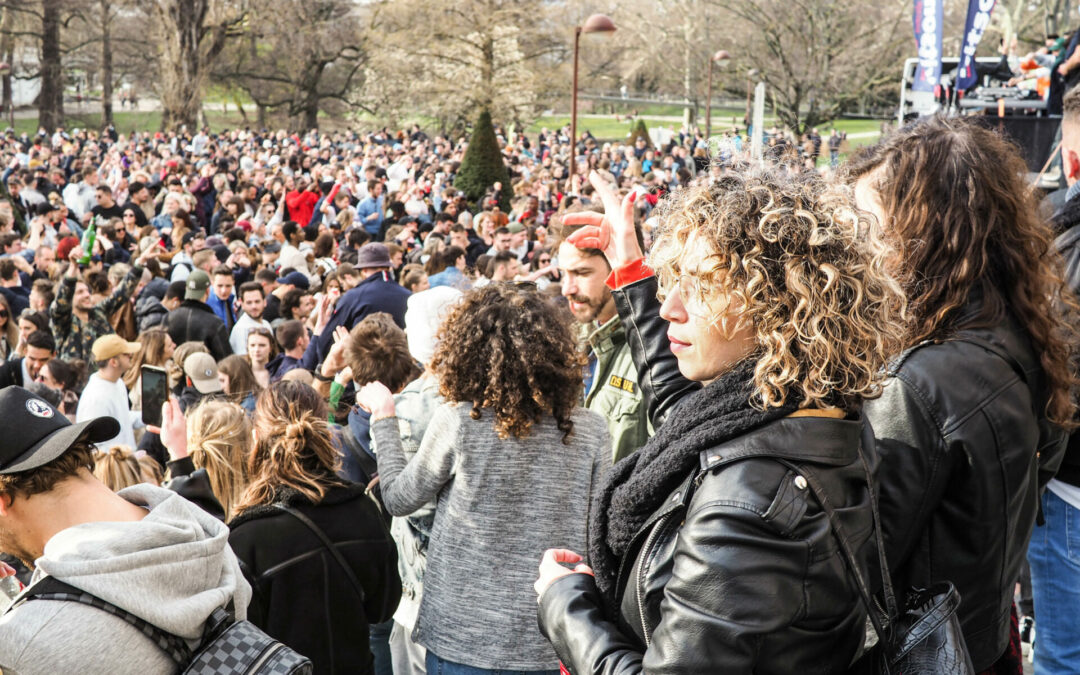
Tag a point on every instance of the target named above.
point(129, 215)
point(545, 260)
point(3, 314)
point(690, 290)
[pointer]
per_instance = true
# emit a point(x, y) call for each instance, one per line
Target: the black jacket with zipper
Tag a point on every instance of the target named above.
point(300, 594)
point(738, 571)
point(964, 448)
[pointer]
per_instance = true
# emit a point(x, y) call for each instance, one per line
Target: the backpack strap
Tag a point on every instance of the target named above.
point(329, 545)
point(51, 588)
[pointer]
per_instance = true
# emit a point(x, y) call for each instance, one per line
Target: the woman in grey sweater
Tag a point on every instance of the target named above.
point(512, 462)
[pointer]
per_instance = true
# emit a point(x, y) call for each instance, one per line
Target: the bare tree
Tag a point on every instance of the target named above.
point(448, 61)
point(191, 35)
point(299, 56)
point(819, 57)
point(7, 57)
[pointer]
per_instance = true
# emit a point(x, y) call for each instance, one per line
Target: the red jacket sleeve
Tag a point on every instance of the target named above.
point(628, 273)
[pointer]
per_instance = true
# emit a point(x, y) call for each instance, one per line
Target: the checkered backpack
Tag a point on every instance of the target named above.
point(228, 647)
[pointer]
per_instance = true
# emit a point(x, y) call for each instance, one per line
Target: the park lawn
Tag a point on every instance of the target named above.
point(603, 128)
point(134, 120)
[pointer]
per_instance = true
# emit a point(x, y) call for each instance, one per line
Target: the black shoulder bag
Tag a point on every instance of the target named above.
point(924, 638)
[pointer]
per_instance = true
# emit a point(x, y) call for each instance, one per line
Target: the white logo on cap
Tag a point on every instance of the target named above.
point(208, 372)
point(39, 408)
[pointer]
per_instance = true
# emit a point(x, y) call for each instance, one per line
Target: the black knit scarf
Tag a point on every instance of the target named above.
point(638, 485)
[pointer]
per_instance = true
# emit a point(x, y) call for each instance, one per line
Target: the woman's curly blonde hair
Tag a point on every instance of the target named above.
point(792, 258)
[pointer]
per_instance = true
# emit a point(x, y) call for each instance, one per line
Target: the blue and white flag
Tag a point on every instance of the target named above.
point(978, 18)
point(929, 19)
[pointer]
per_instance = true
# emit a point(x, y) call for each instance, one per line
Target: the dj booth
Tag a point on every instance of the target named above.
point(1020, 115)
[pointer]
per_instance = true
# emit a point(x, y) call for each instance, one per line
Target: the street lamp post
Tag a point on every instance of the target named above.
point(750, 75)
point(718, 56)
point(597, 23)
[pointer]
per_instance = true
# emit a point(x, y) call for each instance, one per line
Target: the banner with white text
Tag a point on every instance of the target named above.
point(978, 19)
point(929, 18)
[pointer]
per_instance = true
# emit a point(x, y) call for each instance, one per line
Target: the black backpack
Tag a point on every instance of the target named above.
point(228, 646)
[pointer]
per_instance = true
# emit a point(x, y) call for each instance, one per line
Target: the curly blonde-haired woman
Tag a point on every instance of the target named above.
point(710, 553)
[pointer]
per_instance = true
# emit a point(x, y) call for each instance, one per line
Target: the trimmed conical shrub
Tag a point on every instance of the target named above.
point(640, 132)
point(483, 165)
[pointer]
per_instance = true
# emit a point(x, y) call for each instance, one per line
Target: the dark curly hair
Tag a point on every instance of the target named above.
point(507, 349)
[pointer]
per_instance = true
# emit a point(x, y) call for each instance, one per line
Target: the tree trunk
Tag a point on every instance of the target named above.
point(688, 70)
point(106, 64)
point(7, 55)
point(261, 119)
point(310, 104)
point(51, 98)
point(181, 63)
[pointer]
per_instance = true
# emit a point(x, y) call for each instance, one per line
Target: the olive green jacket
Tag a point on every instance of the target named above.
point(615, 393)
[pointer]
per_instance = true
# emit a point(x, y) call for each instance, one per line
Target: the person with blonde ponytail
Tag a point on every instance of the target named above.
point(117, 467)
point(317, 601)
point(207, 454)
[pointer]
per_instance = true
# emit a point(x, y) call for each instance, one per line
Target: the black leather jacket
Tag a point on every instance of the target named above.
point(738, 572)
point(960, 432)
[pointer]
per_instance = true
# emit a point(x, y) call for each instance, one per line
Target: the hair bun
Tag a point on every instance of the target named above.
point(294, 430)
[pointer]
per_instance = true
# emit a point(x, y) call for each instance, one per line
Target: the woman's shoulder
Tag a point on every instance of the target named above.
point(588, 422)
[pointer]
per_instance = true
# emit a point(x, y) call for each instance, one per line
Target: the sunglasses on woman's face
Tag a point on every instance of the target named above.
point(129, 215)
point(3, 314)
point(545, 260)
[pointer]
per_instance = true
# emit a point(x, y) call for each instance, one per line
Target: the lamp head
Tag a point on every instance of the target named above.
point(598, 23)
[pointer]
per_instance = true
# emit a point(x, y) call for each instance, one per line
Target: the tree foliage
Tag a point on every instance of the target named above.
point(640, 131)
point(483, 164)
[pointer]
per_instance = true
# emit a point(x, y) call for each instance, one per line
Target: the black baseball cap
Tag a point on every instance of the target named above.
point(36, 433)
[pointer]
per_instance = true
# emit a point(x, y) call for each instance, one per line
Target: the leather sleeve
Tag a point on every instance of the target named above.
point(914, 465)
point(735, 581)
point(1053, 443)
point(585, 640)
point(662, 385)
point(219, 342)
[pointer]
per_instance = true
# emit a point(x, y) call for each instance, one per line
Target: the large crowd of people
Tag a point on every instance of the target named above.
point(665, 395)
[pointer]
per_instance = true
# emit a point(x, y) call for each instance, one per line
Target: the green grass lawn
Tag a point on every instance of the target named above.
point(604, 129)
point(128, 121)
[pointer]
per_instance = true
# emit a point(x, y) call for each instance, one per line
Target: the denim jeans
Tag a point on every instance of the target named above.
point(437, 666)
point(1054, 555)
point(379, 634)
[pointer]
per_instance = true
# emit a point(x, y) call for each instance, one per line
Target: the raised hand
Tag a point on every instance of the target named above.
point(611, 231)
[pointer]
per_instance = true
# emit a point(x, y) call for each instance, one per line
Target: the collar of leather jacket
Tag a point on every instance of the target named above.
point(812, 440)
point(817, 440)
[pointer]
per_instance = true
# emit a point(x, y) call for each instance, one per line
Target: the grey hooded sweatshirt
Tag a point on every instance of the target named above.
point(172, 569)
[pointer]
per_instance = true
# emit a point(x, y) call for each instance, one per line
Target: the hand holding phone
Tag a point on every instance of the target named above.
point(155, 392)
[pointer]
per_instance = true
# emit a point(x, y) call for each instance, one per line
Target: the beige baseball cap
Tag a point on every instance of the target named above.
point(203, 371)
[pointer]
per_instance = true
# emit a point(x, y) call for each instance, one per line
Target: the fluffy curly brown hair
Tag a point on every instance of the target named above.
point(507, 349)
point(794, 259)
point(966, 223)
